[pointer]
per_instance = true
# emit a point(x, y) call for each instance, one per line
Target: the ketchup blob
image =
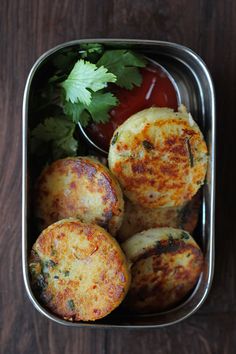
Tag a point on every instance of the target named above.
point(156, 90)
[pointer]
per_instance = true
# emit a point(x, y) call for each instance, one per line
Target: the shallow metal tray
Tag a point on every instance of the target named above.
point(197, 93)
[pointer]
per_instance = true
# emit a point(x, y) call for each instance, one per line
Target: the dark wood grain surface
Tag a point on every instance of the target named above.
point(27, 29)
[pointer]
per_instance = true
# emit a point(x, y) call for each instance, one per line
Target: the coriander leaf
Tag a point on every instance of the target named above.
point(74, 110)
point(83, 78)
point(57, 131)
point(71, 305)
point(91, 50)
point(124, 64)
point(121, 57)
point(84, 118)
point(100, 105)
point(66, 146)
point(129, 77)
point(52, 128)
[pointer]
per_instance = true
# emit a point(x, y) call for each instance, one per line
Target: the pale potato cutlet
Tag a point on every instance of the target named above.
point(159, 157)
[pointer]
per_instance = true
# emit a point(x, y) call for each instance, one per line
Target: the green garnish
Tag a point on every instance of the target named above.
point(40, 282)
point(85, 98)
point(77, 92)
point(114, 139)
point(100, 106)
point(98, 109)
point(74, 111)
point(50, 263)
point(71, 305)
point(190, 152)
point(124, 65)
point(67, 273)
point(57, 133)
point(184, 235)
point(91, 50)
point(84, 78)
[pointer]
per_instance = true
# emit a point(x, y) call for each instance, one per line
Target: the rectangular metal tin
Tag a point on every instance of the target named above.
point(197, 93)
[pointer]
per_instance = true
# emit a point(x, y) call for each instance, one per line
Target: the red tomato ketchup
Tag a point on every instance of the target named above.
point(156, 90)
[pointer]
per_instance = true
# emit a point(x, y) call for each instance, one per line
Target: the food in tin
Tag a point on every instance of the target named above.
point(166, 264)
point(159, 157)
point(137, 218)
point(79, 187)
point(78, 270)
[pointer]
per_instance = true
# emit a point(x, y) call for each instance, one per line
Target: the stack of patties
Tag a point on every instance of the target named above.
point(160, 158)
point(78, 270)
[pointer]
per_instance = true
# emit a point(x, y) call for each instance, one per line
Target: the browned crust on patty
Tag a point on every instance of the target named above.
point(159, 162)
point(79, 187)
point(137, 218)
point(78, 270)
point(164, 272)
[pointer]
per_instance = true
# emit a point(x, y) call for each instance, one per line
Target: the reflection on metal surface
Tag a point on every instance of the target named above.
point(197, 93)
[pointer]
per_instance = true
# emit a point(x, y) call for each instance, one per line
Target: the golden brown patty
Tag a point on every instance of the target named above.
point(78, 270)
point(159, 157)
point(79, 187)
point(166, 265)
point(137, 218)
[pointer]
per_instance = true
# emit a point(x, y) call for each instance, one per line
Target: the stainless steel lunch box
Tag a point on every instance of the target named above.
point(197, 94)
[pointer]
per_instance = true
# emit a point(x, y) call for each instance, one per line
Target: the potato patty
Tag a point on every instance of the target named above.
point(159, 157)
point(137, 218)
point(78, 270)
point(82, 188)
point(167, 263)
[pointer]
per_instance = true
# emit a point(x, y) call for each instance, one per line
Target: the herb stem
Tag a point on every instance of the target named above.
point(190, 152)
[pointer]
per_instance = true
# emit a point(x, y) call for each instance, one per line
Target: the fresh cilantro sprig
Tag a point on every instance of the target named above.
point(100, 106)
point(124, 64)
point(79, 86)
point(91, 51)
point(84, 78)
point(55, 134)
point(98, 109)
point(84, 86)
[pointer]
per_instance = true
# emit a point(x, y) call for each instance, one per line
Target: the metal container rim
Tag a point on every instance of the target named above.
point(35, 66)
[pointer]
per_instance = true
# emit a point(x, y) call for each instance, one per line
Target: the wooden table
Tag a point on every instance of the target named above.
point(27, 29)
